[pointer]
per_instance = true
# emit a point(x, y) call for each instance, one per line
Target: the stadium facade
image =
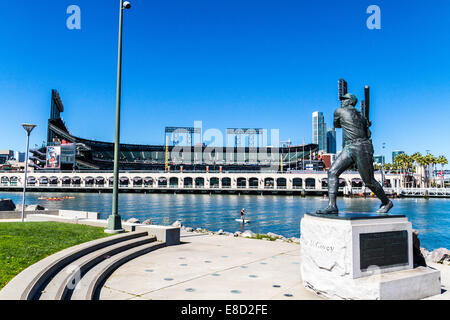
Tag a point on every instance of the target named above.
point(65, 151)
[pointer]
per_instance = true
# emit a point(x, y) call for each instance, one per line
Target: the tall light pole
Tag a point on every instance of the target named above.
point(382, 166)
point(28, 128)
point(114, 220)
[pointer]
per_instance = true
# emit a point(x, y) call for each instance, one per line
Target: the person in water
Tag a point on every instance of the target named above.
point(243, 214)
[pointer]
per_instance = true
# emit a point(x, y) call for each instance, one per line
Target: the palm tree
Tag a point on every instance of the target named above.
point(404, 162)
point(442, 160)
point(428, 159)
point(434, 163)
point(422, 163)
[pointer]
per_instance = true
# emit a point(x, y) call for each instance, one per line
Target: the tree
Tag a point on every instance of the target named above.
point(405, 163)
point(442, 160)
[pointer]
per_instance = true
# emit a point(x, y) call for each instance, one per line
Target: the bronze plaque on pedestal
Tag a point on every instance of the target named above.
point(383, 249)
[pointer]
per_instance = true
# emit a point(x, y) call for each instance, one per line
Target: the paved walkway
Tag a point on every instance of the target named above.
point(206, 267)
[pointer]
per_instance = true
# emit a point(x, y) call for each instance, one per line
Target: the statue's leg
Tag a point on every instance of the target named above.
point(364, 162)
point(342, 162)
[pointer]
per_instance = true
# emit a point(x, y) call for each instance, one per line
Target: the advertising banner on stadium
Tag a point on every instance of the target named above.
point(53, 159)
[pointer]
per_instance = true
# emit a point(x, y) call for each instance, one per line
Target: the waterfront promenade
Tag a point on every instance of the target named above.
point(205, 265)
point(209, 266)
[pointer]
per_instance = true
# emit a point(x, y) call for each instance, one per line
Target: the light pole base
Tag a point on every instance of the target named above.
point(114, 231)
point(114, 224)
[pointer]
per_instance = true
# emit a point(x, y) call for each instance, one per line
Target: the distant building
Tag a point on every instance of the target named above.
point(65, 151)
point(6, 155)
point(396, 153)
point(328, 159)
point(378, 159)
point(314, 165)
point(331, 140)
point(319, 130)
point(19, 156)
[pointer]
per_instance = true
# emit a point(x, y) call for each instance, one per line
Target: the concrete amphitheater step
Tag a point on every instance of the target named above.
point(89, 286)
point(30, 281)
point(61, 285)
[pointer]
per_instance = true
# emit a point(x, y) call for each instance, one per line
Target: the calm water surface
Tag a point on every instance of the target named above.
point(278, 214)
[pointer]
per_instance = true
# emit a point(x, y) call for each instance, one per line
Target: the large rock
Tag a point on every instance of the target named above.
point(418, 258)
point(7, 205)
point(148, 222)
point(274, 235)
point(248, 234)
point(133, 220)
point(426, 254)
point(440, 255)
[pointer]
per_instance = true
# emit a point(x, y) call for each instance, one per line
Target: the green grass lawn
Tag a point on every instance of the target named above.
point(23, 244)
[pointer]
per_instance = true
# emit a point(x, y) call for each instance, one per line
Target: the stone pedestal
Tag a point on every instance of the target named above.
point(363, 256)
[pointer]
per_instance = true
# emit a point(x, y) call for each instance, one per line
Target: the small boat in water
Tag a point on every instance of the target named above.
point(56, 198)
point(51, 199)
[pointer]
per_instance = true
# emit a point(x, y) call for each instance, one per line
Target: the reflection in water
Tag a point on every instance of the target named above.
point(278, 214)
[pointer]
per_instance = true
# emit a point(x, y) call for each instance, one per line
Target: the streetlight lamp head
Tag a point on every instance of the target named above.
point(126, 5)
point(28, 127)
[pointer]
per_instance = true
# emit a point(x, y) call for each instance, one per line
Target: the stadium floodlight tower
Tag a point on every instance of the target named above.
point(28, 128)
point(114, 220)
point(251, 133)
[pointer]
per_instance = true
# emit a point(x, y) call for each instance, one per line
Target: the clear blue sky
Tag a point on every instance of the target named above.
point(234, 63)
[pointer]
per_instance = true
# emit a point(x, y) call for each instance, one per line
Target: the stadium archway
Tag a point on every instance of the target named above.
point(5, 181)
point(148, 182)
point(13, 181)
point(269, 183)
point(31, 181)
point(199, 182)
point(310, 183)
point(65, 181)
point(214, 182)
point(226, 182)
point(173, 182)
point(162, 182)
point(188, 182)
point(124, 182)
point(357, 183)
point(297, 183)
point(281, 183)
point(89, 181)
point(241, 183)
point(137, 182)
point(100, 181)
point(76, 181)
point(253, 183)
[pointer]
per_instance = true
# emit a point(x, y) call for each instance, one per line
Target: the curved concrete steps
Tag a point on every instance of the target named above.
point(46, 273)
point(64, 281)
point(92, 281)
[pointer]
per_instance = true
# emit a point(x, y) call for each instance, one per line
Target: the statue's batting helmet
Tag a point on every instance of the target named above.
point(353, 99)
